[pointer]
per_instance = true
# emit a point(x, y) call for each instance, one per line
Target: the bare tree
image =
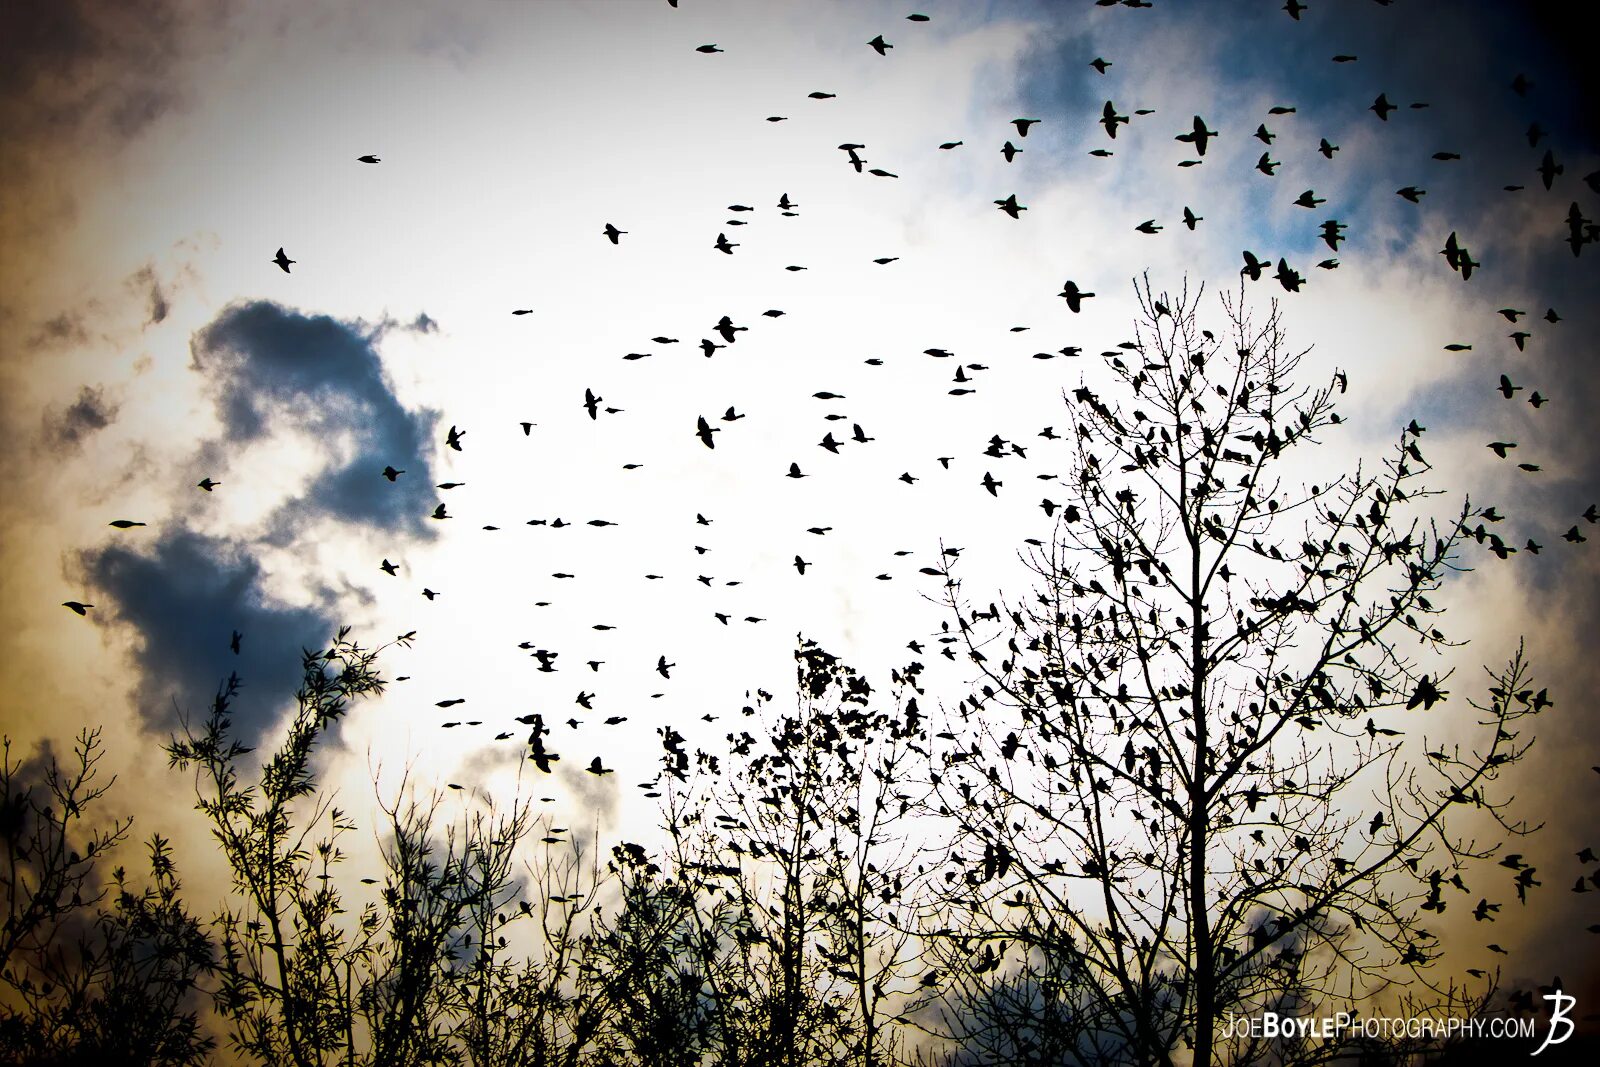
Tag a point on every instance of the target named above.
point(801, 871)
point(1193, 777)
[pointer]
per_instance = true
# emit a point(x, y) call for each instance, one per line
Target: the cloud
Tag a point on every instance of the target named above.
point(144, 281)
point(184, 600)
point(62, 331)
point(274, 370)
point(78, 62)
point(89, 414)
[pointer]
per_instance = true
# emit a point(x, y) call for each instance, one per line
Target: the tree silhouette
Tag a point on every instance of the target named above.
point(797, 857)
point(1195, 775)
point(89, 982)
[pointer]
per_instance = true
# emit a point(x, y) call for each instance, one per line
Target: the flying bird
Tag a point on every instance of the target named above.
point(283, 261)
point(1111, 120)
point(1074, 296)
point(1199, 136)
point(1010, 206)
point(612, 233)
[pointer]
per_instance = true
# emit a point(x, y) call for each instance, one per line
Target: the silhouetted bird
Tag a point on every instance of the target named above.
point(1074, 296)
point(77, 606)
point(1199, 136)
point(612, 233)
point(1111, 120)
point(1010, 206)
point(1287, 277)
point(283, 261)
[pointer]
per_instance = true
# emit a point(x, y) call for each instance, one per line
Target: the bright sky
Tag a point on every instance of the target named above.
point(159, 163)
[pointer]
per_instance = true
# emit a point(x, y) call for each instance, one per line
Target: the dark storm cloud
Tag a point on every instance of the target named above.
point(272, 369)
point(87, 415)
point(75, 66)
point(185, 599)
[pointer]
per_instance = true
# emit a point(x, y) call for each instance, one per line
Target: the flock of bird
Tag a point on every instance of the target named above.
point(1196, 134)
